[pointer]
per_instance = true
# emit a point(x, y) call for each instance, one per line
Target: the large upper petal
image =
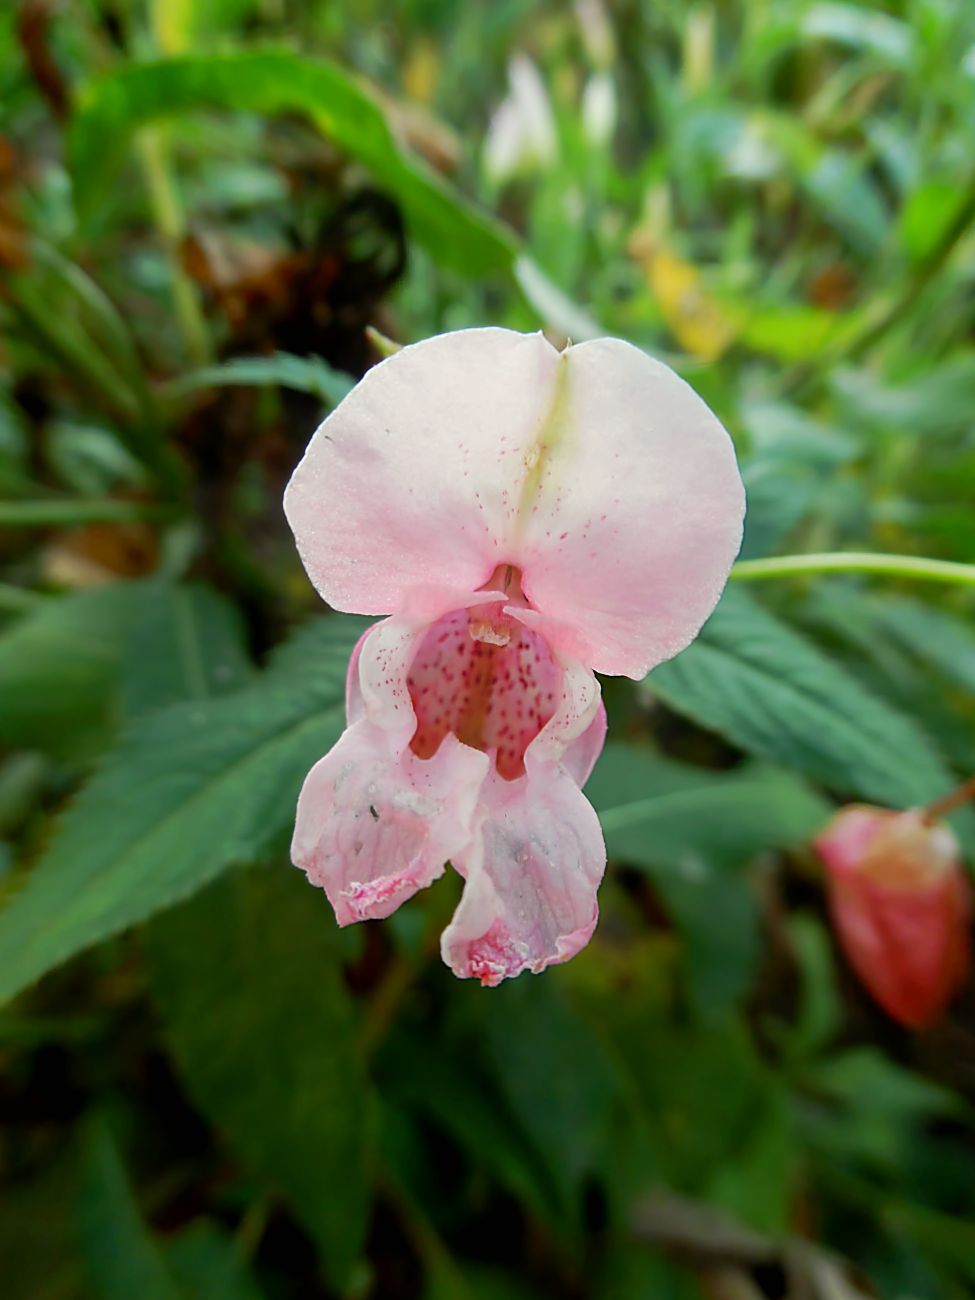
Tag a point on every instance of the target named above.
point(415, 478)
point(638, 512)
point(596, 471)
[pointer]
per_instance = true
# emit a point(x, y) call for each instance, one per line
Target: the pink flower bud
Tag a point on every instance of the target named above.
point(900, 903)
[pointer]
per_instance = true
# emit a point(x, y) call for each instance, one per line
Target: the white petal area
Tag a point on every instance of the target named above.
point(416, 478)
point(637, 513)
point(373, 827)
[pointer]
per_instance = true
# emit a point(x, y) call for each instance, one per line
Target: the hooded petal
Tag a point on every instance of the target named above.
point(374, 826)
point(531, 877)
point(415, 478)
point(580, 757)
point(637, 515)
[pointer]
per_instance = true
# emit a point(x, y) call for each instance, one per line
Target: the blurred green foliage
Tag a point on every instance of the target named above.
point(202, 209)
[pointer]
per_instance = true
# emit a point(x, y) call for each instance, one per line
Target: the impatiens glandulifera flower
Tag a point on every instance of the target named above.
point(901, 906)
point(524, 517)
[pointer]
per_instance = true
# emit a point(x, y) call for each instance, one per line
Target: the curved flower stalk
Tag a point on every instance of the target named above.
point(522, 517)
point(900, 902)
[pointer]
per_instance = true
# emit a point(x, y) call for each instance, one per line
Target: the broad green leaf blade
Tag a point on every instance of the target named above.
point(935, 405)
point(454, 1093)
point(248, 979)
point(862, 28)
point(556, 1077)
point(769, 690)
point(187, 644)
point(59, 666)
point(189, 791)
point(719, 919)
point(283, 369)
point(272, 82)
point(207, 1265)
point(941, 640)
point(657, 813)
point(692, 830)
point(123, 1260)
point(756, 1184)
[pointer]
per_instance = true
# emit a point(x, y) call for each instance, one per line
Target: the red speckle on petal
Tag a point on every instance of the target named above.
point(490, 696)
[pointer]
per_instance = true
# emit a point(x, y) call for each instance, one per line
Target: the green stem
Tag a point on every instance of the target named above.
point(42, 514)
point(893, 566)
point(956, 798)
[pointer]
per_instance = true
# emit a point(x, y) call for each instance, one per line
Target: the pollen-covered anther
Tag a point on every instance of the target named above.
point(491, 631)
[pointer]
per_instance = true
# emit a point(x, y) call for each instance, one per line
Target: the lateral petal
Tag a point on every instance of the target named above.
point(374, 826)
point(531, 877)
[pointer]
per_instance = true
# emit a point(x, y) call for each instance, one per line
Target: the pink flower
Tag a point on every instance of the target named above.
point(523, 517)
point(901, 906)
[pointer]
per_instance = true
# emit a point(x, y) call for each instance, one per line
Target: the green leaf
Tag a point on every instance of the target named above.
point(718, 917)
point(769, 690)
point(819, 1013)
point(862, 28)
point(657, 813)
point(689, 828)
point(703, 1088)
point(754, 1185)
point(927, 216)
point(273, 82)
point(248, 979)
point(946, 1238)
point(860, 1110)
point(442, 1083)
point(207, 1265)
point(59, 666)
point(935, 404)
point(939, 639)
point(190, 790)
point(555, 1076)
point(280, 81)
point(187, 644)
point(123, 1260)
point(880, 1091)
point(302, 374)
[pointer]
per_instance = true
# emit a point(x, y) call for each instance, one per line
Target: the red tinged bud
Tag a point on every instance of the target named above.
point(901, 906)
